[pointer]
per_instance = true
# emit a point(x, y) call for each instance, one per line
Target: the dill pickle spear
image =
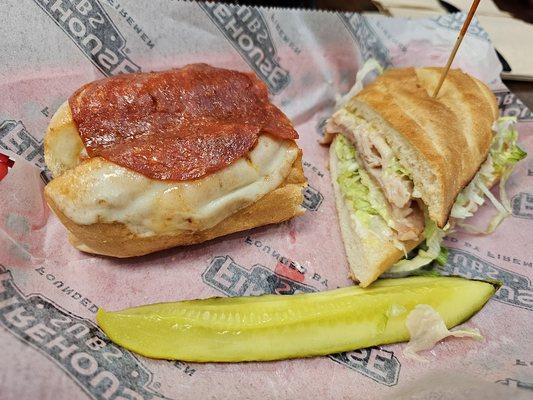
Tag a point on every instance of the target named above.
point(273, 327)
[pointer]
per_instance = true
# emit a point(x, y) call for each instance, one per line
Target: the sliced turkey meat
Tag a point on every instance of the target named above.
point(379, 161)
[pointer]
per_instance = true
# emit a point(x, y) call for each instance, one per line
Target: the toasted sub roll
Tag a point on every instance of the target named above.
point(400, 158)
point(120, 209)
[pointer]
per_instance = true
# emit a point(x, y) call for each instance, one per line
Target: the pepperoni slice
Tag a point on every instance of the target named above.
point(179, 124)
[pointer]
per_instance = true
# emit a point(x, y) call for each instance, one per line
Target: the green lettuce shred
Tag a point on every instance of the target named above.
point(365, 199)
point(428, 251)
point(442, 258)
point(355, 192)
point(358, 189)
point(504, 150)
point(503, 155)
point(394, 167)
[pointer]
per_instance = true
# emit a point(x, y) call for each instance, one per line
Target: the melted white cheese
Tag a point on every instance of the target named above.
point(91, 190)
point(63, 148)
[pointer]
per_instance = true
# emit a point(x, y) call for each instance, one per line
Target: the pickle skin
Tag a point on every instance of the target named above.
point(273, 327)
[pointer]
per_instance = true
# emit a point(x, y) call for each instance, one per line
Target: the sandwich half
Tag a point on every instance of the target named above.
point(144, 162)
point(403, 162)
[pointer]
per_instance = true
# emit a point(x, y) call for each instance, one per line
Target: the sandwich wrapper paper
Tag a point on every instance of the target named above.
point(50, 345)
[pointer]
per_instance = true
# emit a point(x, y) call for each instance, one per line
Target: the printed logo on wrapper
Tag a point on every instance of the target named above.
point(232, 279)
point(380, 365)
point(455, 22)
point(522, 205)
point(312, 198)
point(515, 383)
point(102, 369)
point(228, 277)
point(95, 34)
point(321, 125)
point(512, 106)
point(14, 137)
point(367, 40)
point(247, 30)
point(516, 290)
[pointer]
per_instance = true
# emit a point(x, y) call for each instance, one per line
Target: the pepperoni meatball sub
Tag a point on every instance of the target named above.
point(144, 162)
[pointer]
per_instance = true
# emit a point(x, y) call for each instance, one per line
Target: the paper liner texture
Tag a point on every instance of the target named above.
point(49, 292)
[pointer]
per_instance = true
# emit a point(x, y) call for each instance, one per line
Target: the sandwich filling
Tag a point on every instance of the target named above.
point(382, 198)
point(98, 191)
point(400, 209)
point(503, 155)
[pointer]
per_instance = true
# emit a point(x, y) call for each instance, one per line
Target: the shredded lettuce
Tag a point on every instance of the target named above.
point(368, 67)
point(428, 252)
point(355, 192)
point(503, 156)
point(362, 195)
point(426, 328)
point(394, 168)
point(504, 150)
point(442, 258)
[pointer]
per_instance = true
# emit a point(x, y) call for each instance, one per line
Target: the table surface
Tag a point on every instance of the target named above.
point(522, 9)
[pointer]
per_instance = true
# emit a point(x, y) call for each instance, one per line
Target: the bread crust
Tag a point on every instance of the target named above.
point(450, 135)
point(115, 239)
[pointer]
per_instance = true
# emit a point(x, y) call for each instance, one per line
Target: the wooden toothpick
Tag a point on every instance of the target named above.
point(462, 34)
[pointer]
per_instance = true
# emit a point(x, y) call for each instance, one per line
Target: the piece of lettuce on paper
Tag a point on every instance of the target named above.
point(426, 328)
